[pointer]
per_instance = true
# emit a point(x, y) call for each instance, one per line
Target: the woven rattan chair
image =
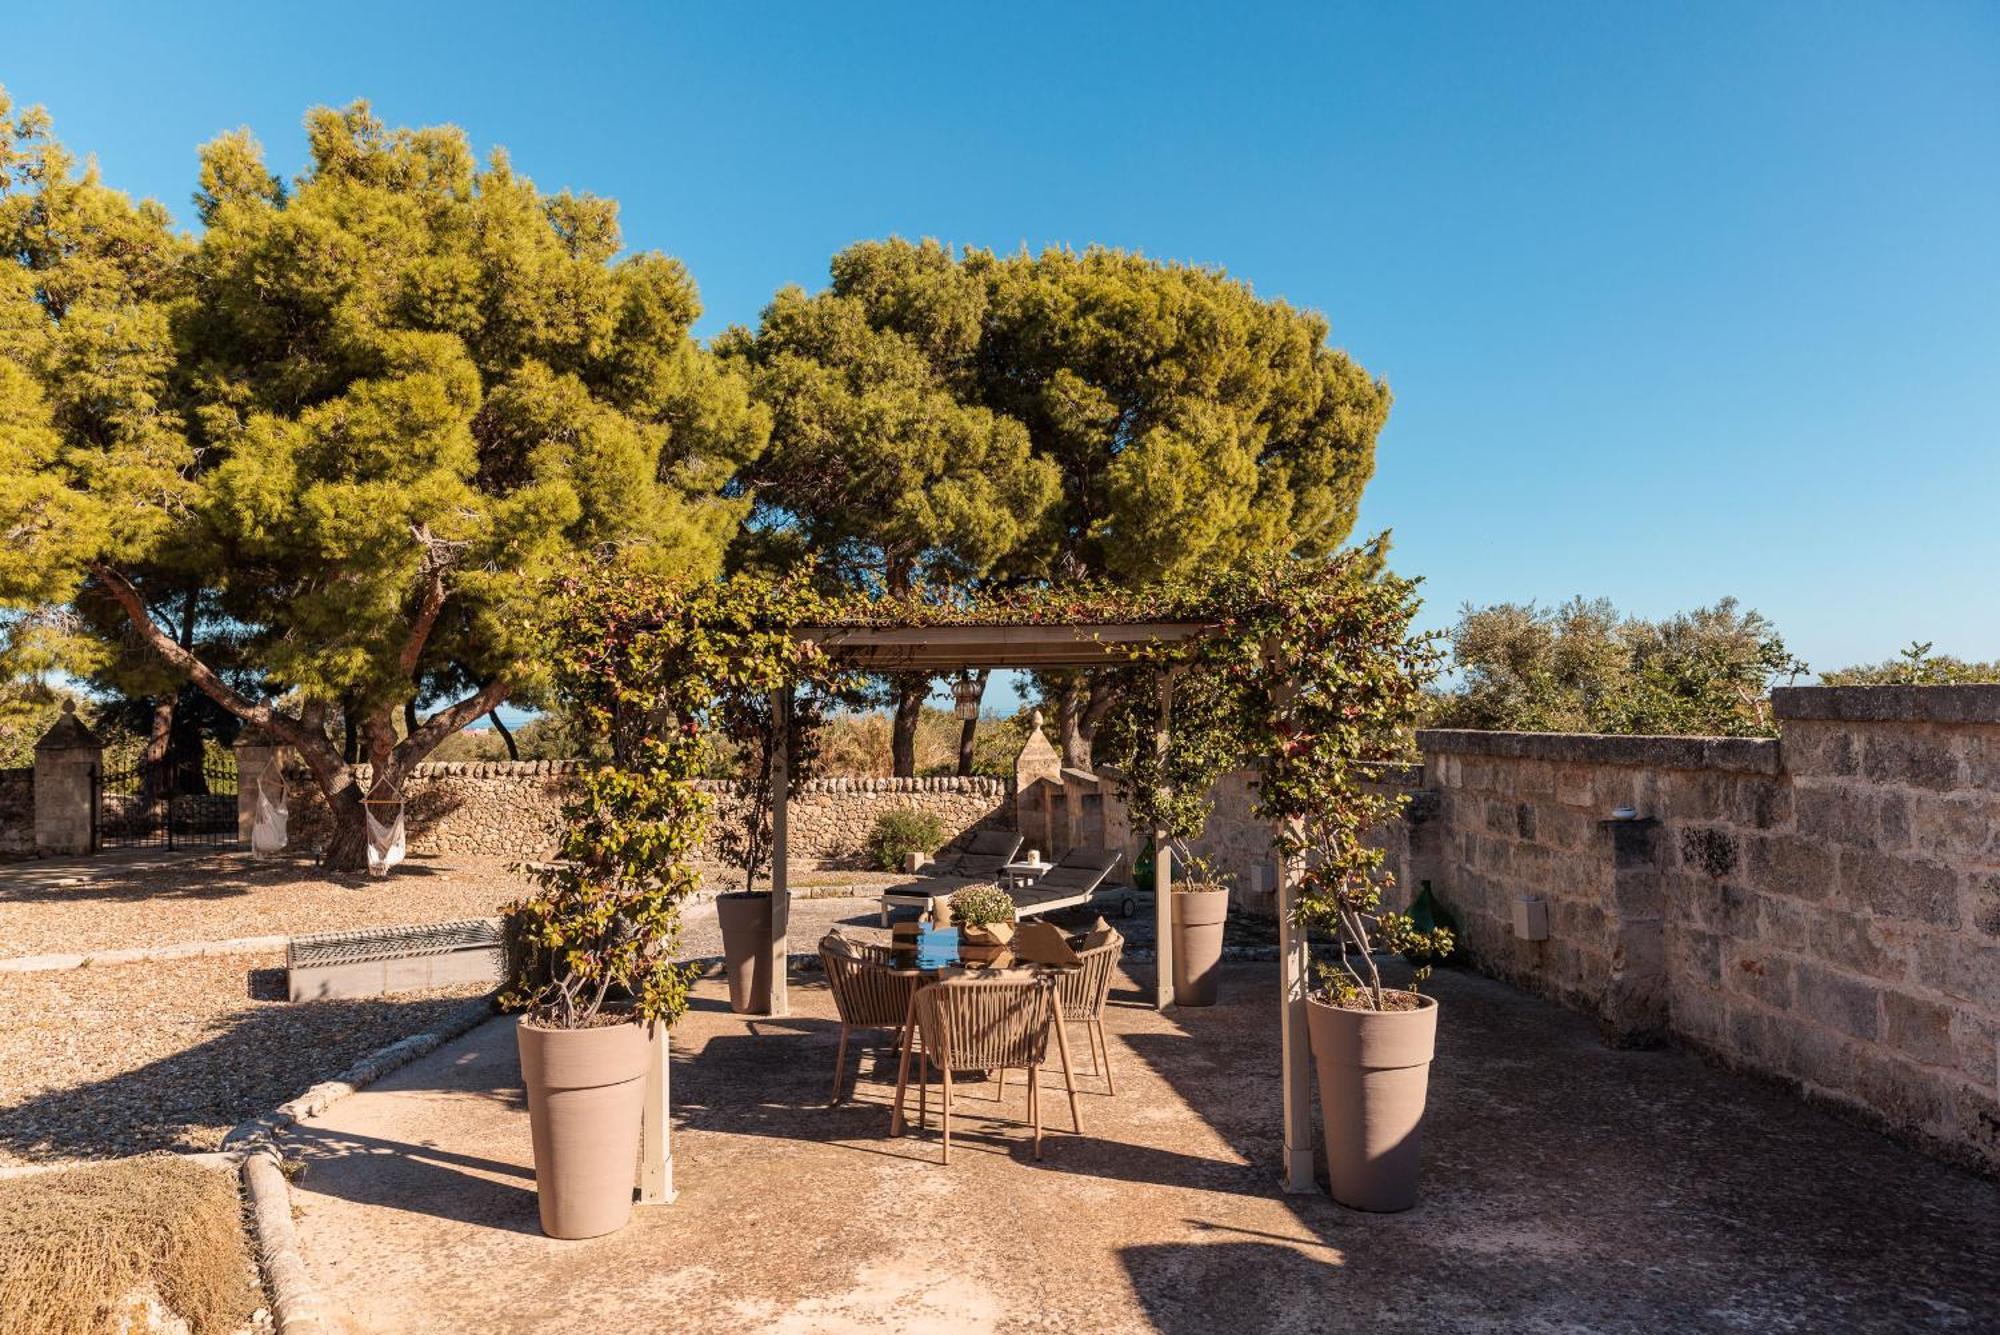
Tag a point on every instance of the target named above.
point(867, 992)
point(1081, 993)
point(984, 1025)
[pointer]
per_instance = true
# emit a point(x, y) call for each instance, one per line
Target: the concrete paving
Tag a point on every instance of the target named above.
point(1568, 1187)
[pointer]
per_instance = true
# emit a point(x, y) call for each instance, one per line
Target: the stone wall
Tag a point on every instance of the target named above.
point(1824, 908)
point(514, 809)
point(17, 812)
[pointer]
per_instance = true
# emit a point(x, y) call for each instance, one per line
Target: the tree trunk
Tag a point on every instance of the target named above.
point(347, 847)
point(1069, 722)
point(968, 731)
point(912, 689)
point(513, 751)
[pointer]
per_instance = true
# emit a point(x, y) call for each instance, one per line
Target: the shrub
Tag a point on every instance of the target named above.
point(900, 832)
point(981, 906)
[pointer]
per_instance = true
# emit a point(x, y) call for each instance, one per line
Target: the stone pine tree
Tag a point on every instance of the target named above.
point(880, 473)
point(365, 415)
point(1193, 425)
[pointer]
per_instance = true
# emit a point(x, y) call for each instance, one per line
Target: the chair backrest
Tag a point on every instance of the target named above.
point(1082, 991)
point(1080, 869)
point(986, 853)
point(986, 1024)
point(866, 991)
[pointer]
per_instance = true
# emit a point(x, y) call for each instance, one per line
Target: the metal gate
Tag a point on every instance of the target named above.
point(165, 804)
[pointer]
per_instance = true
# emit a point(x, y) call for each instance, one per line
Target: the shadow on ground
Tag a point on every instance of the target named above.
point(254, 1059)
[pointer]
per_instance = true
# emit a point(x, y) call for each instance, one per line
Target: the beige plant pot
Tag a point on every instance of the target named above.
point(1374, 1075)
point(586, 1095)
point(746, 936)
point(1198, 920)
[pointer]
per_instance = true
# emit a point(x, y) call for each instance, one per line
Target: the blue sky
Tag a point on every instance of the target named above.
point(1677, 301)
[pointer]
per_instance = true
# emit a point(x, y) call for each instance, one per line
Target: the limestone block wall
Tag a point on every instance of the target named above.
point(1824, 908)
point(514, 808)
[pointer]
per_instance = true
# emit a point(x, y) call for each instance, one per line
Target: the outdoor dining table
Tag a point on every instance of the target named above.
point(943, 962)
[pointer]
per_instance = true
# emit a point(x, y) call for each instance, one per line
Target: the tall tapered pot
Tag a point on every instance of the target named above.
point(1374, 1075)
point(1199, 917)
point(746, 935)
point(586, 1096)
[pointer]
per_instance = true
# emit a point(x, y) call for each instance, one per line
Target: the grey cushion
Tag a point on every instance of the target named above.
point(1002, 844)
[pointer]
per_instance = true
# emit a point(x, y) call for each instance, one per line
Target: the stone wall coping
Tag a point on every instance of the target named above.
point(1745, 755)
point(979, 784)
point(1889, 704)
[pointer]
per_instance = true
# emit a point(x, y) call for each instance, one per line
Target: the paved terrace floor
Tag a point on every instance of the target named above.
point(1568, 1187)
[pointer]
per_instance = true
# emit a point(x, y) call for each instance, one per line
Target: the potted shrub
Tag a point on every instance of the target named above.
point(984, 915)
point(1372, 1048)
point(1200, 909)
point(749, 722)
point(590, 967)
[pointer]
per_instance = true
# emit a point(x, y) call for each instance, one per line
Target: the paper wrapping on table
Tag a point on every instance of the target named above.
point(992, 934)
point(1042, 943)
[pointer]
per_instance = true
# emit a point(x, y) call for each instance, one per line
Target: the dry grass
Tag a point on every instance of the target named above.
point(81, 1239)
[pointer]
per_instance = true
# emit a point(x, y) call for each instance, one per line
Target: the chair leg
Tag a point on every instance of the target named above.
point(923, 1090)
point(1000, 1085)
point(1110, 1081)
point(1091, 1043)
point(902, 1084)
point(1069, 1075)
point(947, 1114)
point(839, 1066)
point(1035, 1105)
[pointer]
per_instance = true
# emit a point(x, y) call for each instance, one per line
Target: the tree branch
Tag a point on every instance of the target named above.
point(438, 558)
point(280, 725)
point(449, 720)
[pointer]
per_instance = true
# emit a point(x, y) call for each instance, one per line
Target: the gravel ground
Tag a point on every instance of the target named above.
point(114, 901)
point(96, 1063)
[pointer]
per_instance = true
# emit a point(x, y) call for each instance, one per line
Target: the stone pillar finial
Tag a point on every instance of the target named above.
point(1035, 720)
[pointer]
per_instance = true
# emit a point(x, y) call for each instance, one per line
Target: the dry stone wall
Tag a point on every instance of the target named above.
point(17, 812)
point(514, 809)
point(1824, 908)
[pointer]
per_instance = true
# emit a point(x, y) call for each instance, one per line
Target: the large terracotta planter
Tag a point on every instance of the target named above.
point(1198, 919)
point(1374, 1074)
point(586, 1095)
point(746, 937)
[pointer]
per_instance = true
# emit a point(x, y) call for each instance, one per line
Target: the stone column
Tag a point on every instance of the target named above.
point(66, 765)
point(255, 753)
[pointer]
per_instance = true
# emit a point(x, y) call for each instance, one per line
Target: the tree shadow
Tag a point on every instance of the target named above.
point(253, 1060)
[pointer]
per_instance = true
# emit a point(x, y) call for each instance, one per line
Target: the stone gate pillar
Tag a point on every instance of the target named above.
point(66, 765)
point(255, 753)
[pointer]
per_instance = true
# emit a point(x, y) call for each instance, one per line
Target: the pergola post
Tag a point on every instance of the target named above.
point(1294, 973)
point(1294, 966)
point(781, 878)
point(1163, 861)
point(656, 1151)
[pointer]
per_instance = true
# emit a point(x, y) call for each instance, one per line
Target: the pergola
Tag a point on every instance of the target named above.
point(941, 650)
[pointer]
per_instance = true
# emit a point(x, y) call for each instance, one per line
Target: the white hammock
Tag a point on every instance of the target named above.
point(385, 842)
point(267, 834)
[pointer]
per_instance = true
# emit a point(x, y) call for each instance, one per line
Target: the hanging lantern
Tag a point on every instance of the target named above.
point(966, 692)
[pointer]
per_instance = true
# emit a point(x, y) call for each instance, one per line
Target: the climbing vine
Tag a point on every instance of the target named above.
point(1307, 670)
point(670, 672)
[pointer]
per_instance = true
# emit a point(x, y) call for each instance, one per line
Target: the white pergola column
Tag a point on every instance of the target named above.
point(781, 877)
point(1294, 972)
point(1163, 861)
point(656, 1152)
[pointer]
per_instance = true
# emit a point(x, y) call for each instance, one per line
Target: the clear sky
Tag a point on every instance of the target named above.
point(1677, 300)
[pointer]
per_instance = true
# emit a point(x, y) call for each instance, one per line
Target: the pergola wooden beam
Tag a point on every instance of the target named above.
point(944, 649)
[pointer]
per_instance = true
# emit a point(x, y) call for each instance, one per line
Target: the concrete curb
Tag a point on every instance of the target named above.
point(296, 1304)
point(239, 945)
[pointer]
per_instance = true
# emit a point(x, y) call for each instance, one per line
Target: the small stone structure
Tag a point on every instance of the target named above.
point(67, 759)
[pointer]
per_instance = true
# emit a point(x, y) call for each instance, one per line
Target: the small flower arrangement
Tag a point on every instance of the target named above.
point(982, 906)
